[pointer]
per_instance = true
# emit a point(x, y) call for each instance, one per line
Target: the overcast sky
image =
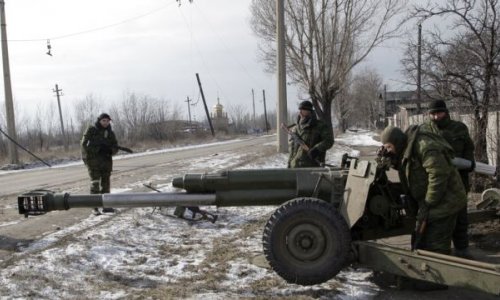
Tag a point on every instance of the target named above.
point(108, 48)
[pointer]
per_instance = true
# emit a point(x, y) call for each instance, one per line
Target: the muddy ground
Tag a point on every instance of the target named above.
point(190, 260)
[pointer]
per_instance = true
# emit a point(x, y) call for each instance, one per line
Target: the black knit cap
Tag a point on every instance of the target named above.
point(437, 106)
point(306, 105)
point(103, 116)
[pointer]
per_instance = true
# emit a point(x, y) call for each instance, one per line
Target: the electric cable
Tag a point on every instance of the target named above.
point(94, 29)
point(224, 44)
point(20, 146)
point(201, 54)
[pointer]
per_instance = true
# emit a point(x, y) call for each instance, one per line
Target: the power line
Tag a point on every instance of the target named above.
point(224, 44)
point(200, 53)
point(21, 146)
point(97, 28)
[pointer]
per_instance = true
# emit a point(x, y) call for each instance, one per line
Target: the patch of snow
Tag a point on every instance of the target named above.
point(110, 256)
point(9, 223)
point(360, 138)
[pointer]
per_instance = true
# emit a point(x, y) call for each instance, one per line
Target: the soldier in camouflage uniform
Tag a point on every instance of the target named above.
point(457, 135)
point(423, 160)
point(314, 133)
point(98, 146)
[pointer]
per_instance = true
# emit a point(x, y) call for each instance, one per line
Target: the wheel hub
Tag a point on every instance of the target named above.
point(306, 242)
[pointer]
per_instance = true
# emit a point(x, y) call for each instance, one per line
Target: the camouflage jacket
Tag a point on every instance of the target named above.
point(98, 145)
point(316, 135)
point(429, 176)
point(457, 135)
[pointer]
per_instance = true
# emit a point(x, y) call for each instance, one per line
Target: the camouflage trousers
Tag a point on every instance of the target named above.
point(460, 234)
point(99, 181)
point(438, 234)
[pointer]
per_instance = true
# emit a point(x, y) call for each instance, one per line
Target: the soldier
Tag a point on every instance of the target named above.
point(98, 146)
point(456, 134)
point(423, 160)
point(315, 138)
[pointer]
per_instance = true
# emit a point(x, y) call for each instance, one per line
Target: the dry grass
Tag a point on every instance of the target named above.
point(57, 153)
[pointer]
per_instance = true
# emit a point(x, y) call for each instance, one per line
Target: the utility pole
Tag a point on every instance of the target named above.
point(419, 69)
point(253, 105)
point(265, 110)
point(281, 88)
point(9, 104)
point(58, 94)
point(189, 110)
point(205, 103)
point(385, 105)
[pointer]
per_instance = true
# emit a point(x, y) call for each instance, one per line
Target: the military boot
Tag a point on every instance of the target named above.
point(463, 253)
point(179, 211)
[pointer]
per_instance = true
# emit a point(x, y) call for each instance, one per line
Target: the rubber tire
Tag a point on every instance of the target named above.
point(324, 236)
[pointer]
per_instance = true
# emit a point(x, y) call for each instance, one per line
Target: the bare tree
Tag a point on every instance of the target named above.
point(142, 117)
point(343, 108)
point(133, 114)
point(464, 65)
point(36, 129)
point(240, 117)
point(49, 124)
point(365, 106)
point(325, 40)
point(163, 124)
point(86, 111)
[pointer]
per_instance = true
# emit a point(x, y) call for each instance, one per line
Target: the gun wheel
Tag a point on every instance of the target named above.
point(306, 241)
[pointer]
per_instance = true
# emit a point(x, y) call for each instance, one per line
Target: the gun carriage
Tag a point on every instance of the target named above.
point(327, 218)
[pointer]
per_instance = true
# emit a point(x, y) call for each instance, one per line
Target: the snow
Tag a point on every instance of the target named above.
point(61, 163)
point(122, 255)
point(359, 138)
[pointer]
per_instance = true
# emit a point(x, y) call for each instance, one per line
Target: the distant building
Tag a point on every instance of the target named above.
point(401, 105)
point(219, 118)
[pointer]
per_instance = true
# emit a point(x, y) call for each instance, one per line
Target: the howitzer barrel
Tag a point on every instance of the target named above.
point(39, 202)
point(156, 199)
point(266, 187)
point(246, 179)
point(229, 188)
point(480, 168)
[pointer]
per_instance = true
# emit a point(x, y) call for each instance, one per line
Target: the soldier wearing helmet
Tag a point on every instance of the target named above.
point(423, 160)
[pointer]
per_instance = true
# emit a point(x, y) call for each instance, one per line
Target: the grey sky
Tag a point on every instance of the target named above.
point(157, 54)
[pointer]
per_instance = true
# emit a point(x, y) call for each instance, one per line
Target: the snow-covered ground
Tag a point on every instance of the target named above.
point(145, 253)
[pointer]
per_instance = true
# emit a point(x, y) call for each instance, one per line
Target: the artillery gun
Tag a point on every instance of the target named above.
point(327, 218)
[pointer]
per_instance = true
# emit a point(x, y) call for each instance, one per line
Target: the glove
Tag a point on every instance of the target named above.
point(423, 213)
point(128, 150)
point(381, 152)
point(313, 153)
point(417, 236)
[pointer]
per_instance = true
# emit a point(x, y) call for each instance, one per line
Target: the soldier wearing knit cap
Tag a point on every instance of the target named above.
point(457, 135)
point(438, 106)
point(98, 146)
point(313, 133)
point(423, 160)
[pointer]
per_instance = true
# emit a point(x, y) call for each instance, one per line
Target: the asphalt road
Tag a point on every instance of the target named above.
point(15, 230)
point(13, 183)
